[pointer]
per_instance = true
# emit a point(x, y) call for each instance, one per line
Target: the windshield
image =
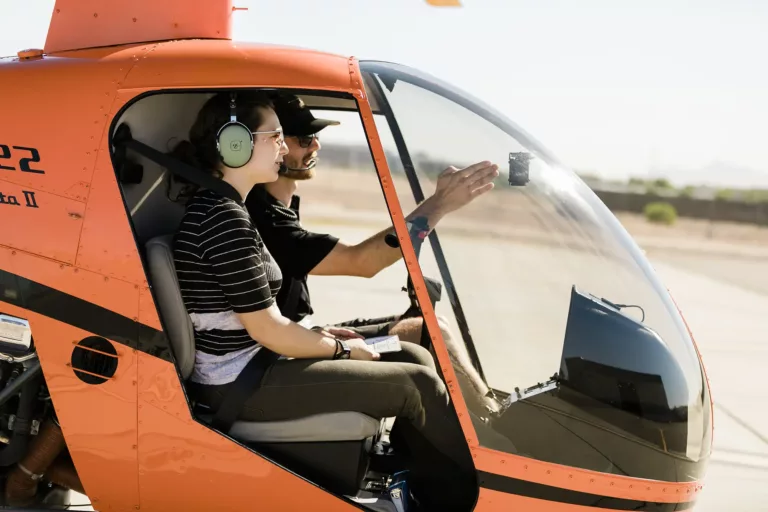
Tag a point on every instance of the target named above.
point(549, 291)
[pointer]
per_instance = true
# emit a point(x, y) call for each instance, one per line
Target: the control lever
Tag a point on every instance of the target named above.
point(536, 389)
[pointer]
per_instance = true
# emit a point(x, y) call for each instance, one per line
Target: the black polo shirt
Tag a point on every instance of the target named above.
point(296, 250)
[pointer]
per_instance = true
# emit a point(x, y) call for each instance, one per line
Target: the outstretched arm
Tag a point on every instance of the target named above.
point(455, 189)
point(369, 257)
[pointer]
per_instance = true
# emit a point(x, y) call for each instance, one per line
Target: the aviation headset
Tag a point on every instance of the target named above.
point(234, 140)
point(284, 168)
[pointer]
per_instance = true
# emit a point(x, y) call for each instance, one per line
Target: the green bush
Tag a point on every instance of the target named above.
point(724, 194)
point(660, 213)
point(756, 196)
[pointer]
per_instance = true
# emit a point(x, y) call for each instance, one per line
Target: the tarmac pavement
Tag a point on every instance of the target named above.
point(725, 302)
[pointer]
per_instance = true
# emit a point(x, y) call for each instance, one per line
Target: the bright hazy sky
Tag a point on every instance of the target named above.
point(611, 86)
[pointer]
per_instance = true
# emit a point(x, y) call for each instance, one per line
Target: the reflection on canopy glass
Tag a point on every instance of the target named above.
point(584, 349)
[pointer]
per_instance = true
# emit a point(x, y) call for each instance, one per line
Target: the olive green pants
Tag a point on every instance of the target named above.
point(402, 384)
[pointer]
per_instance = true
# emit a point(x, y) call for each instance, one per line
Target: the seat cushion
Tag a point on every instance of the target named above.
point(333, 426)
point(165, 282)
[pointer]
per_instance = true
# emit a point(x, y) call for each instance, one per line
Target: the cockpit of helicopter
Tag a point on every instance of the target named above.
point(555, 305)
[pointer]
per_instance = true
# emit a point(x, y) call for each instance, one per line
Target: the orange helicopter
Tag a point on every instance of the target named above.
point(604, 401)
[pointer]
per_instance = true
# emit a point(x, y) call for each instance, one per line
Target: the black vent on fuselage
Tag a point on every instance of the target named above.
point(94, 360)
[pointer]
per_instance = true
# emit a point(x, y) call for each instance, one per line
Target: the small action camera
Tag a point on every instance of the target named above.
point(518, 169)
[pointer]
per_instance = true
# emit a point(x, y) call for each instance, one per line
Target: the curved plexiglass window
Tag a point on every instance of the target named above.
point(580, 343)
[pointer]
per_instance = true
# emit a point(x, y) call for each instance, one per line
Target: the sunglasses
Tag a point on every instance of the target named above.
point(305, 140)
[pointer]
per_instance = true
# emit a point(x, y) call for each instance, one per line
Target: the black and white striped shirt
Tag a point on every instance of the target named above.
point(223, 268)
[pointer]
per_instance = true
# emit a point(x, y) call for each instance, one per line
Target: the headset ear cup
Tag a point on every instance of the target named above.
point(235, 143)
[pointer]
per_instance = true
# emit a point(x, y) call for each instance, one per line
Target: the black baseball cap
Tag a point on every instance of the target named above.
point(296, 119)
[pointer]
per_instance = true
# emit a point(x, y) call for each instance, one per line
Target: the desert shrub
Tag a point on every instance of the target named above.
point(756, 196)
point(724, 194)
point(660, 213)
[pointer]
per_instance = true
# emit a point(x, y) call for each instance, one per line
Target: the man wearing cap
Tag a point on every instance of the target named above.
point(274, 208)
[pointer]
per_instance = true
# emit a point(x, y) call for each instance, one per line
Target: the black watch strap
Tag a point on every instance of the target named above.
point(342, 350)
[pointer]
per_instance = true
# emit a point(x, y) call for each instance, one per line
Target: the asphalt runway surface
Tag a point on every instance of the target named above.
point(523, 288)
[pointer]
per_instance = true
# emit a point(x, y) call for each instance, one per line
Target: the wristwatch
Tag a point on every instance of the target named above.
point(418, 228)
point(342, 349)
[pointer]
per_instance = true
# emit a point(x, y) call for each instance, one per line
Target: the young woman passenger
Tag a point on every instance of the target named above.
point(229, 282)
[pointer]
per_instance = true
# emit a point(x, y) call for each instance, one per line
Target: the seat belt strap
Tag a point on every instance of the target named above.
point(193, 175)
point(242, 388)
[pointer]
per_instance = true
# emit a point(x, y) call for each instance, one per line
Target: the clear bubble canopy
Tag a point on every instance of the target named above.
point(559, 308)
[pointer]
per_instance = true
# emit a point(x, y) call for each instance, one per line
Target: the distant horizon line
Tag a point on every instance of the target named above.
point(647, 177)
